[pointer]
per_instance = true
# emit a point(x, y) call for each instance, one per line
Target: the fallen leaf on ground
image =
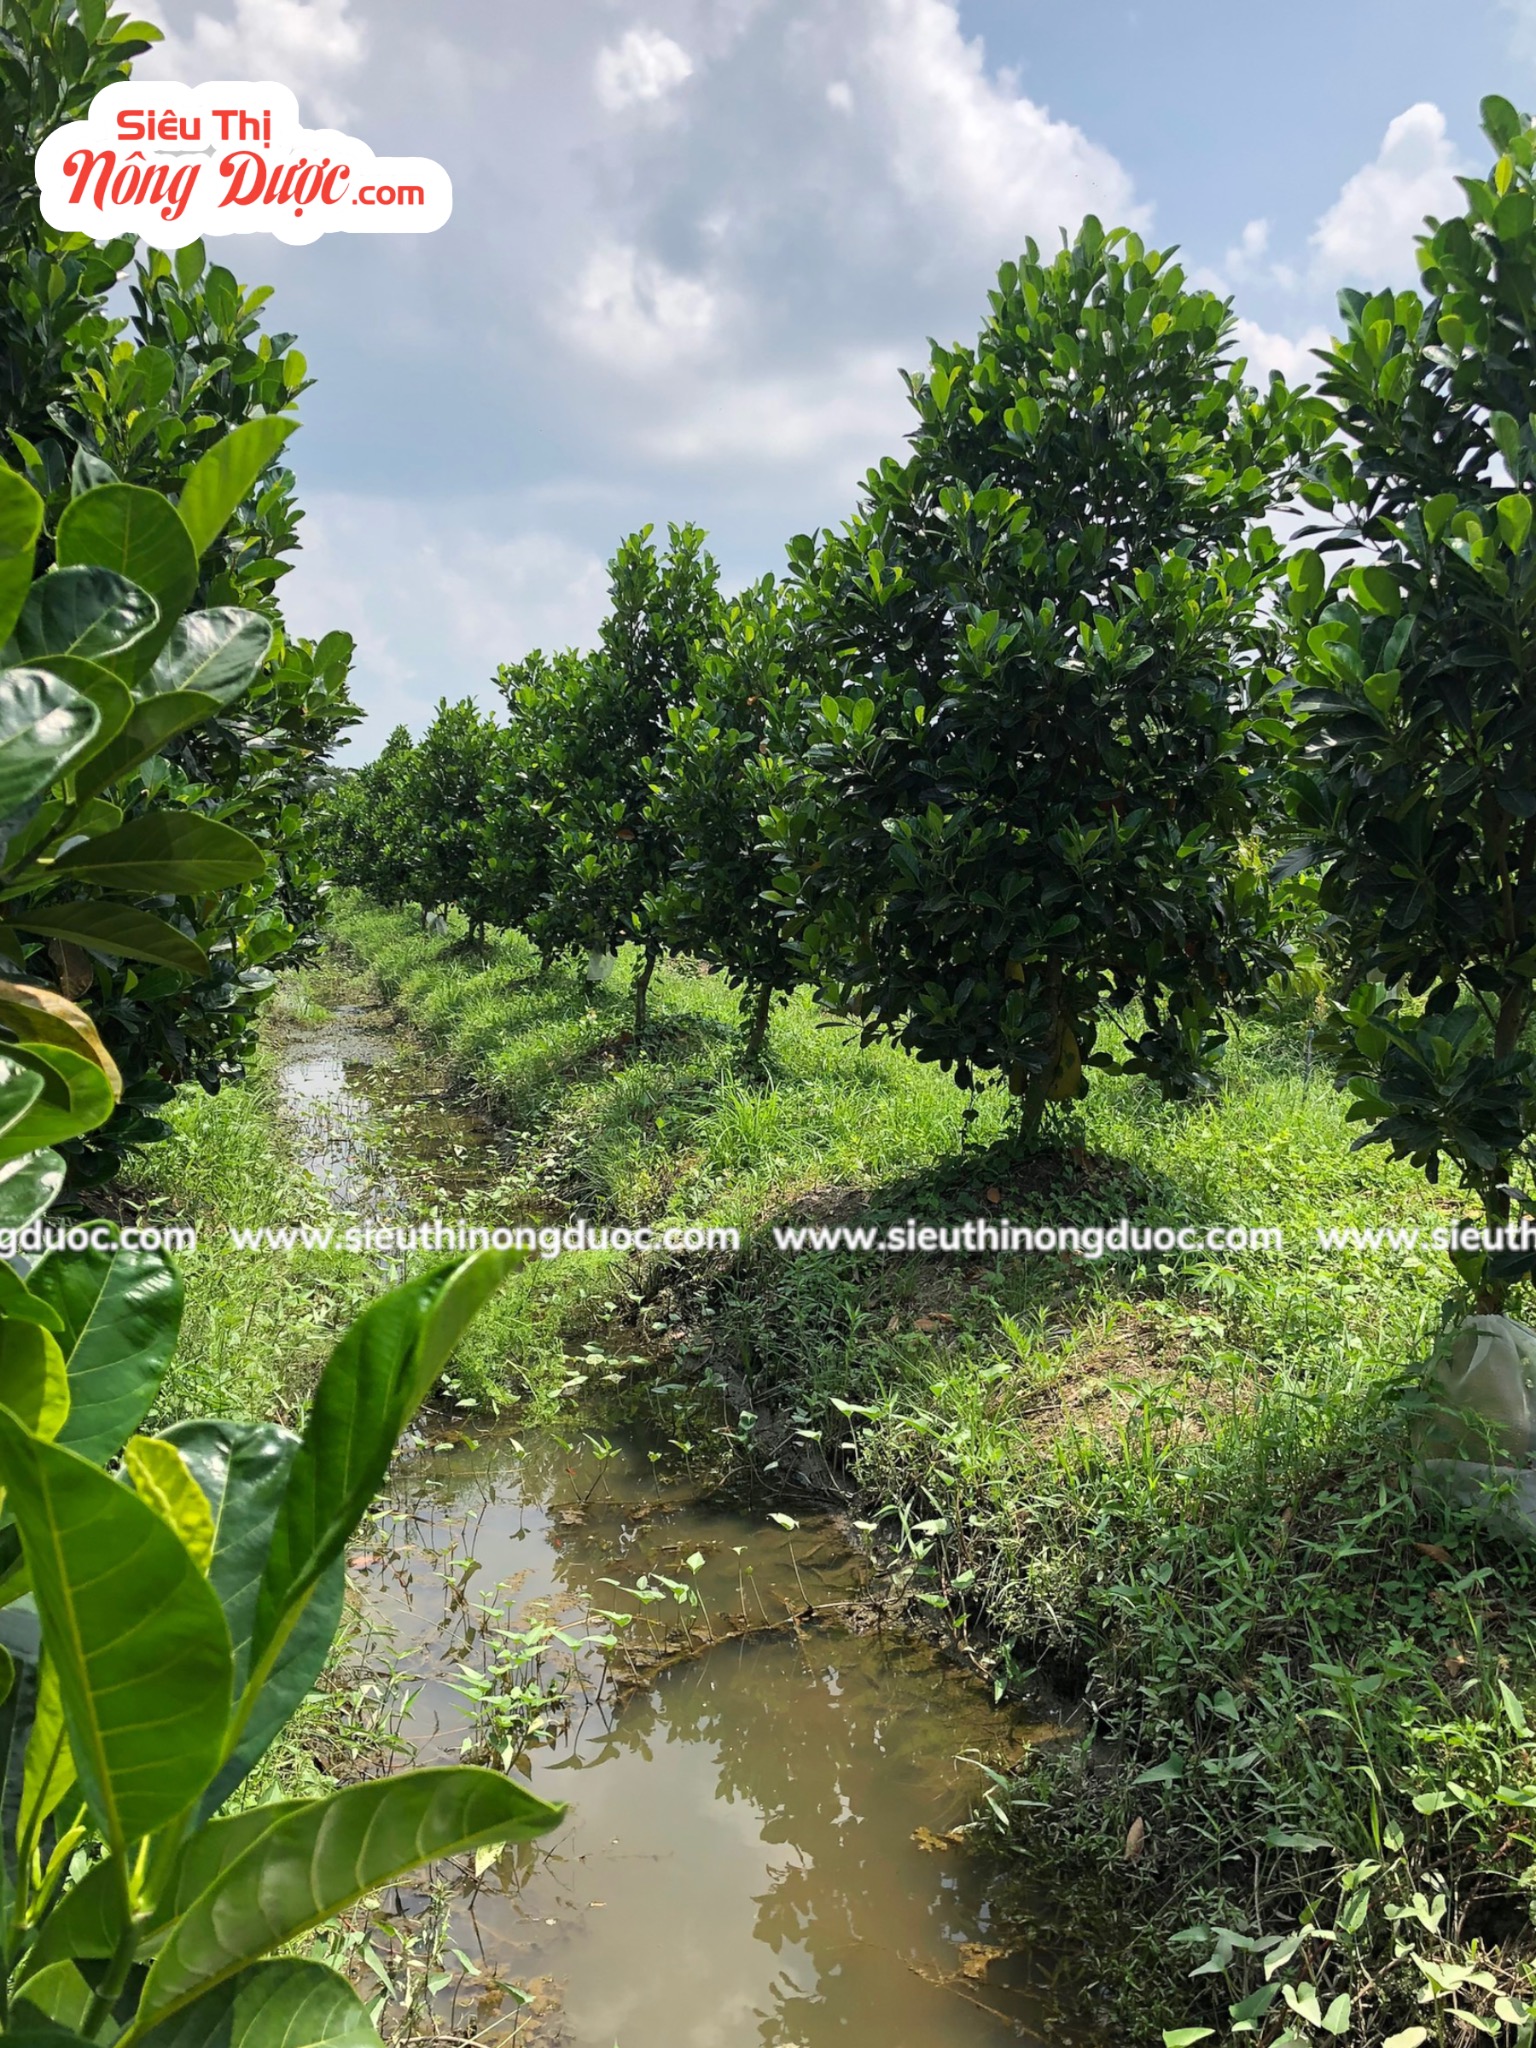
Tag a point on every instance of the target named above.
point(1136, 1839)
point(994, 1194)
point(1437, 1551)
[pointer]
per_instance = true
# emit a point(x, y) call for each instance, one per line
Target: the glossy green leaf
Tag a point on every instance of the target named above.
point(45, 727)
point(19, 1302)
point(373, 1382)
point(29, 1186)
point(117, 930)
point(167, 852)
point(137, 533)
point(21, 521)
point(216, 653)
point(89, 612)
point(58, 1996)
point(1514, 517)
point(282, 2004)
point(121, 1315)
point(88, 1919)
point(135, 1630)
point(19, 1089)
point(322, 1859)
point(76, 1097)
point(109, 693)
point(149, 725)
point(243, 1469)
point(225, 475)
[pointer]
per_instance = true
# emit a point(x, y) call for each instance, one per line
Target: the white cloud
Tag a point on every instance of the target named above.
point(634, 314)
point(643, 65)
point(437, 604)
point(672, 318)
point(967, 146)
point(305, 44)
point(1293, 358)
point(1250, 249)
point(1366, 237)
point(838, 419)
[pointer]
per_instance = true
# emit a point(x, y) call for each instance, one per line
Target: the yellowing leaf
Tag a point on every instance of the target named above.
point(34, 1380)
point(40, 1017)
point(1067, 1080)
point(162, 1480)
point(49, 1770)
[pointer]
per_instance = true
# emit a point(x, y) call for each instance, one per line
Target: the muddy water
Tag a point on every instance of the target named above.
point(763, 1789)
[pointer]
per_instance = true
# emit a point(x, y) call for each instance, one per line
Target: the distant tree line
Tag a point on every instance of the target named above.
point(1041, 761)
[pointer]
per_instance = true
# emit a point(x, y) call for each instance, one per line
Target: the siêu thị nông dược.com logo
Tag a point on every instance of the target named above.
point(173, 163)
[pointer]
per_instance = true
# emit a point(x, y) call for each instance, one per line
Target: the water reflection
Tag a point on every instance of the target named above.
point(757, 1847)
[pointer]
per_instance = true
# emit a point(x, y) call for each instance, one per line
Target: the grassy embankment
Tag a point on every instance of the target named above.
point(1174, 1484)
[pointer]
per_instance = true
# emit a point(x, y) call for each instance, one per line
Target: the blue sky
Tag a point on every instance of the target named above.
point(693, 241)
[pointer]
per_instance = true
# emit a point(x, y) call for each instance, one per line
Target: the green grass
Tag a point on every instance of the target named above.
point(254, 1332)
point(1175, 1486)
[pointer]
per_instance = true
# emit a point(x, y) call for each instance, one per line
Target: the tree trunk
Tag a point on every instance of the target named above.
point(757, 1034)
point(642, 991)
point(1509, 1029)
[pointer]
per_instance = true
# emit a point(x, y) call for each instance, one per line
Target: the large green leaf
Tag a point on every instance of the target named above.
point(56, 1997)
point(224, 476)
point(135, 1630)
point(45, 727)
point(284, 2004)
point(117, 930)
point(111, 696)
point(173, 853)
point(243, 1468)
point(137, 533)
point(89, 1918)
point(216, 653)
point(76, 1096)
point(93, 613)
point(373, 1382)
point(29, 1186)
point(121, 1312)
point(19, 1089)
point(322, 1859)
point(21, 521)
point(18, 1301)
point(145, 731)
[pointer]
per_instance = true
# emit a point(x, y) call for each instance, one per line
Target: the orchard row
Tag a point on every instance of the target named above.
point(1123, 680)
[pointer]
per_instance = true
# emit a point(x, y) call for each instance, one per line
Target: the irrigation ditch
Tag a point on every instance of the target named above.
point(771, 1774)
